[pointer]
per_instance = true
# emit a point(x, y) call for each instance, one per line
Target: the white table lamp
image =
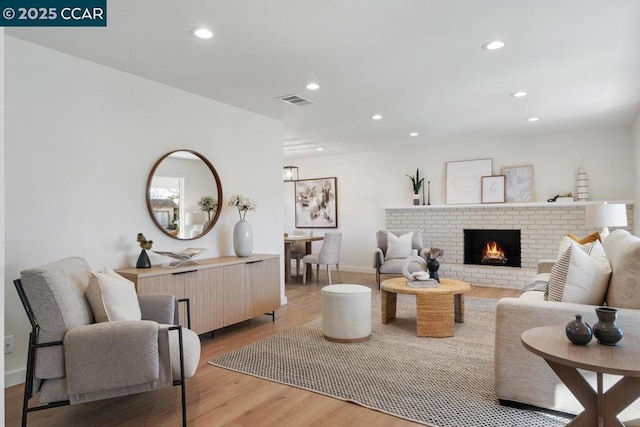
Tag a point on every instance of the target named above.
point(605, 215)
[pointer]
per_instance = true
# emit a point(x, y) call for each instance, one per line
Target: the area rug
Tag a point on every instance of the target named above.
point(439, 382)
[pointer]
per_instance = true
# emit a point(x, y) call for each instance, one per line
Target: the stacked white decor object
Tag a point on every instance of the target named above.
point(521, 376)
point(582, 185)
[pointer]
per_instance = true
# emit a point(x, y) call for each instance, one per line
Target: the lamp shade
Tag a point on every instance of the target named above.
point(194, 218)
point(606, 215)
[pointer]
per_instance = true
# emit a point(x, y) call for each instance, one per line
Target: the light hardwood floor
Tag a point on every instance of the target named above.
point(218, 397)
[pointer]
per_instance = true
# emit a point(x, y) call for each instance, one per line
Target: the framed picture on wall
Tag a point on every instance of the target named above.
point(317, 203)
point(519, 183)
point(464, 180)
point(493, 189)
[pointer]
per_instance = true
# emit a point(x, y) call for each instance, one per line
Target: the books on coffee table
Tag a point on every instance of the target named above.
point(429, 283)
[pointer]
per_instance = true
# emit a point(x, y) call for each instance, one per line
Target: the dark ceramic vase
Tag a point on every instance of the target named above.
point(579, 332)
point(143, 260)
point(606, 330)
point(433, 265)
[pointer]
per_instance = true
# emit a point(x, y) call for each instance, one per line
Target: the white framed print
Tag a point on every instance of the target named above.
point(463, 180)
point(493, 189)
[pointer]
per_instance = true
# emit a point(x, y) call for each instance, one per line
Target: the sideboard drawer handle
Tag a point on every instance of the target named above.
point(184, 272)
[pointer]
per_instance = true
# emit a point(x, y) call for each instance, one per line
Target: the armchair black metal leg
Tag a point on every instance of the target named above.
point(183, 391)
point(186, 301)
point(31, 357)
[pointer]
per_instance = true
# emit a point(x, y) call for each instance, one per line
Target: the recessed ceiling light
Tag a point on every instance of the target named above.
point(202, 33)
point(414, 134)
point(313, 86)
point(533, 119)
point(496, 44)
point(519, 94)
point(319, 148)
point(376, 117)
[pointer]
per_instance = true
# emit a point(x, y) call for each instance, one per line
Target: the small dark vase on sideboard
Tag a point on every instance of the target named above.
point(143, 260)
point(433, 265)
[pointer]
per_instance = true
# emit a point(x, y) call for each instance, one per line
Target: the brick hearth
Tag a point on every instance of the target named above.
point(542, 227)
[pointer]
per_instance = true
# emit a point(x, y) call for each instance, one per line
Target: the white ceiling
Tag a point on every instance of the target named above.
point(416, 62)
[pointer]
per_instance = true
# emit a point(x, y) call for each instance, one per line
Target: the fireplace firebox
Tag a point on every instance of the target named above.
point(492, 247)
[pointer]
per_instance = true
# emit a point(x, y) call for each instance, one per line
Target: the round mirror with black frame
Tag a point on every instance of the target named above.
point(184, 194)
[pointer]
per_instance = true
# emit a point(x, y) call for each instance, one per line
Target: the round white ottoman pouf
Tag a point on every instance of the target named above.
point(346, 312)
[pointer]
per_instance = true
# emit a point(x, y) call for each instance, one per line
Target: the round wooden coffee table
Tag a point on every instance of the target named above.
point(437, 308)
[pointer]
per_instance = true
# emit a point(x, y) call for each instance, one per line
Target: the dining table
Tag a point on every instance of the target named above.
point(288, 243)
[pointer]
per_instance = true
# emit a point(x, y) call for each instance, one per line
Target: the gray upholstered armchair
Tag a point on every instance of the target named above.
point(72, 359)
point(388, 263)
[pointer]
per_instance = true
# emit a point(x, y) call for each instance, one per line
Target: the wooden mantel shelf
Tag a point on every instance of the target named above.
point(510, 205)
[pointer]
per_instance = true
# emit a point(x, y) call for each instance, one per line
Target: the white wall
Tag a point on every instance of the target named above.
point(369, 182)
point(636, 156)
point(2, 204)
point(80, 141)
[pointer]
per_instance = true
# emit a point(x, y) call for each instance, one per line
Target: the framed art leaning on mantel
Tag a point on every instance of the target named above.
point(493, 189)
point(519, 183)
point(464, 180)
point(317, 203)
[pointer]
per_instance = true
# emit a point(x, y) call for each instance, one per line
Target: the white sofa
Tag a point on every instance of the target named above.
point(524, 378)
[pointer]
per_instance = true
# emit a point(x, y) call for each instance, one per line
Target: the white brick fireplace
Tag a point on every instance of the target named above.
point(542, 227)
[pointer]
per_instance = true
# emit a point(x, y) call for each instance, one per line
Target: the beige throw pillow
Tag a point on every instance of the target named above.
point(398, 247)
point(579, 276)
point(112, 297)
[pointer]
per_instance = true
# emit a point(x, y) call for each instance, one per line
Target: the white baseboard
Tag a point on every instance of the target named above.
point(14, 377)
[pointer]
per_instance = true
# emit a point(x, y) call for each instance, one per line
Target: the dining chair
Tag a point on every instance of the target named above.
point(299, 249)
point(329, 255)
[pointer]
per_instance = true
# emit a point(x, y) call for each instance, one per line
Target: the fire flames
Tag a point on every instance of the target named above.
point(493, 253)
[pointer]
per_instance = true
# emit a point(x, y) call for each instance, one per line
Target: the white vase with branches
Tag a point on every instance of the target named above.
point(242, 232)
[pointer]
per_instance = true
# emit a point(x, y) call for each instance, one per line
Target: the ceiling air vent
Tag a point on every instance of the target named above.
point(294, 100)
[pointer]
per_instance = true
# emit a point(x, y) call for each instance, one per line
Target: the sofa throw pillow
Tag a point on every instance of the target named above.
point(112, 297)
point(579, 276)
point(586, 239)
point(566, 242)
point(398, 247)
point(623, 250)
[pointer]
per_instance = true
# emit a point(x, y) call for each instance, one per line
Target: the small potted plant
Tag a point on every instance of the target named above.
point(416, 183)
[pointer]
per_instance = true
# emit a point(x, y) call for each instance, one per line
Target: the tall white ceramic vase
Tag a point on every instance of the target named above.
point(242, 238)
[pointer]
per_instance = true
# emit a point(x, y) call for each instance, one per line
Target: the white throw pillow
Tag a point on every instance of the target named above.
point(580, 277)
point(398, 247)
point(112, 297)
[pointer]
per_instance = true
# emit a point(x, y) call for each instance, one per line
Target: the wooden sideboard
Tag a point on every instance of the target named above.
point(221, 291)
